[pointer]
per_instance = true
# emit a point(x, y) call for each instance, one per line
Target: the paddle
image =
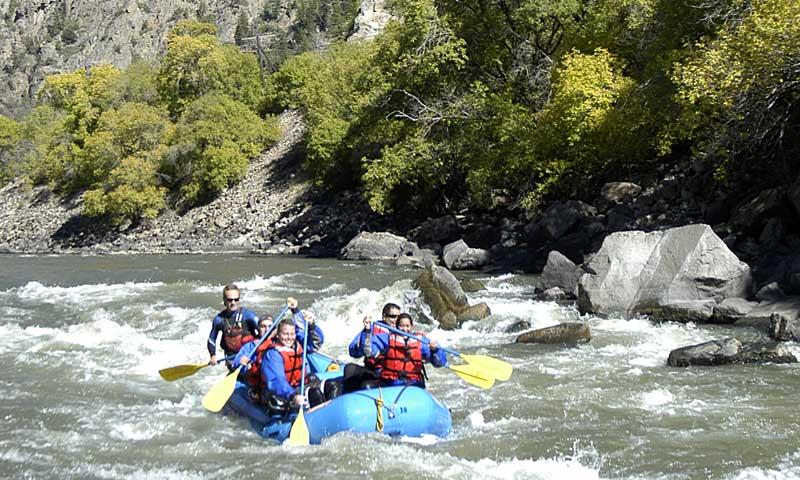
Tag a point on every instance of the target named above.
point(218, 396)
point(472, 375)
point(181, 371)
point(299, 434)
point(484, 365)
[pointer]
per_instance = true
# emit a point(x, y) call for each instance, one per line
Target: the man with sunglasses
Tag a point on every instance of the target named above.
point(357, 377)
point(237, 324)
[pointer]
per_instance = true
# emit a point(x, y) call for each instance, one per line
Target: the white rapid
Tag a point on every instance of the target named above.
point(84, 338)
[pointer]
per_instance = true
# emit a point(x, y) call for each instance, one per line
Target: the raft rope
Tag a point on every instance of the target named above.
point(379, 405)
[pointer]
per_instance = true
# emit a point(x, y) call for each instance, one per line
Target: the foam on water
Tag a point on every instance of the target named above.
point(788, 468)
point(654, 400)
point(258, 284)
point(84, 295)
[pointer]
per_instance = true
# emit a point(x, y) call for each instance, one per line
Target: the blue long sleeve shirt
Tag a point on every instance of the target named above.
point(361, 345)
point(315, 340)
point(273, 374)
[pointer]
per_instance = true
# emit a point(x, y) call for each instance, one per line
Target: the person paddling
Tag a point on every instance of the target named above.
point(403, 356)
point(356, 377)
point(281, 371)
point(237, 324)
point(250, 357)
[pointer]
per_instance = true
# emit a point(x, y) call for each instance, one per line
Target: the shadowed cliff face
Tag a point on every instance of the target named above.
point(42, 38)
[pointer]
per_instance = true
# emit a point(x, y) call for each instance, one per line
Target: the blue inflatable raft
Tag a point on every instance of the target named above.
point(396, 411)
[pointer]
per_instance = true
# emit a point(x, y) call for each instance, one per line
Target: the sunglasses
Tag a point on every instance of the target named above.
point(388, 315)
point(232, 299)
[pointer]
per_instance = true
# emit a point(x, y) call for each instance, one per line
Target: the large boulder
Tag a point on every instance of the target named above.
point(728, 351)
point(378, 246)
point(679, 272)
point(459, 256)
point(565, 333)
point(560, 271)
point(442, 292)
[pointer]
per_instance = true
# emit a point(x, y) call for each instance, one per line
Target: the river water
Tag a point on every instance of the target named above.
point(84, 337)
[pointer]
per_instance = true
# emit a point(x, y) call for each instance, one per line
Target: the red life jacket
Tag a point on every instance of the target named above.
point(292, 362)
point(233, 334)
point(403, 359)
point(254, 367)
point(375, 363)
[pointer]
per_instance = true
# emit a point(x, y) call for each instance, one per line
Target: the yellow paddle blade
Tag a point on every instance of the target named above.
point(299, 434)
point(472, 375)
point(489, 366)
point(180, 371)
point(218, 396)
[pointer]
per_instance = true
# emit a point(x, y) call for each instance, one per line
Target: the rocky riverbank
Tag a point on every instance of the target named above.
point(275, 210)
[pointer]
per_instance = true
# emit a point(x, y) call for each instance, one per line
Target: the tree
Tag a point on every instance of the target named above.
point(216, 136)
point(739, 91)
point(196, 64)
point(10, 137)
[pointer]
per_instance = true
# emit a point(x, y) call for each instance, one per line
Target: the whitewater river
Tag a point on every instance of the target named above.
point(84, 337)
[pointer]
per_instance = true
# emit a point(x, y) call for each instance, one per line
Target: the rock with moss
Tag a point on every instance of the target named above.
point(442, 292)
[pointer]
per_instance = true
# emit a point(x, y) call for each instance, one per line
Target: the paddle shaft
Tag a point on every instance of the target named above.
point(305, 355)
point(421, 339)
point(272, 327)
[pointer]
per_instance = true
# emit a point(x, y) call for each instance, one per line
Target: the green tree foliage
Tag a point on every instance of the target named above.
point(110, 133)
point(215, 138)
point(10, 137)
point(331, 89)
point(131, 191)
point(138, 83)
point(739, 90)
point(196, 64)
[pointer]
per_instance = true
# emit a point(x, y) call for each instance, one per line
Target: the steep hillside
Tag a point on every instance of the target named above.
point(38, 38)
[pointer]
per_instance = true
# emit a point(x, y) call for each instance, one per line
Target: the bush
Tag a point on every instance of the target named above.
point(131, 193)
point(216, 136)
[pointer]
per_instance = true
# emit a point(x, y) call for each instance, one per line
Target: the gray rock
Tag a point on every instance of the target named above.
point(784, 328)
point(699, 311)
point(732, 309)
point(370, 20)
point(760, 316)
point(436, 231)
point(769, 292)
point(618, 192)
point(553, 294)
point(472, 285)
point(378, 246)
point(442, 292)
point(565, 333)
point(560, 218)
point(752, 215)
point(560, 272)
point(728, 351)
point(459, 256)
point(639, 272)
